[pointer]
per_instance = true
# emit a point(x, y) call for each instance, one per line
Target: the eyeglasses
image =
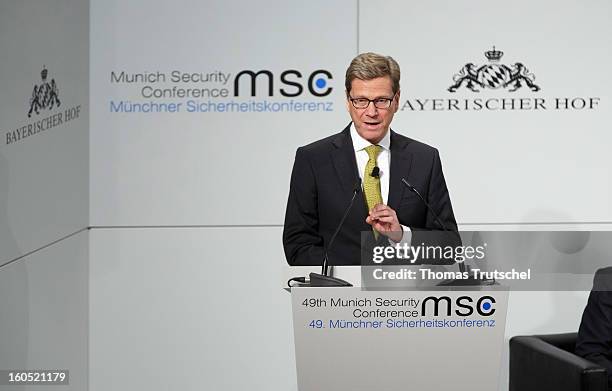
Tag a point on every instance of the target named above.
point(379, 103)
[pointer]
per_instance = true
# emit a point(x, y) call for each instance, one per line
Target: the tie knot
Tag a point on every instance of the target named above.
point(373, 151)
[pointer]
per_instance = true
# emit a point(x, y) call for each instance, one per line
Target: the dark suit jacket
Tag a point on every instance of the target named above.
point(595, 334)
point(322, 183)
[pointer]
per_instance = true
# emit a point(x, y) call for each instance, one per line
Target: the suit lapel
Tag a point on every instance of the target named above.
point(401, 161)
point(343, 158)
point(345, 164)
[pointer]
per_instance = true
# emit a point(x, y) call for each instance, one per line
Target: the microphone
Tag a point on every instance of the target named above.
point(323, 279)
point(375, 172)
point(429, 208)
point(470, 281)
point(433, 213)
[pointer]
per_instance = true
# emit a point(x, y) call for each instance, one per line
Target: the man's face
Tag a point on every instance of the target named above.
point(372, 123)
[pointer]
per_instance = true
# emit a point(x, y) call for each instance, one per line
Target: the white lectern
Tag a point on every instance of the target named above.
point(354, 339)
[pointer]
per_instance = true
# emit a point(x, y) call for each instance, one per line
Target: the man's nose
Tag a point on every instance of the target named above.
point(371, 110)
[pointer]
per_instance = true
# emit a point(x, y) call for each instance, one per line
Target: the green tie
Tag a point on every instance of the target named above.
point(371, 185)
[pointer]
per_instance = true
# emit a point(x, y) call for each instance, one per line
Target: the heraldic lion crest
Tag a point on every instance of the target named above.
point(44, 96)
point(494, 75)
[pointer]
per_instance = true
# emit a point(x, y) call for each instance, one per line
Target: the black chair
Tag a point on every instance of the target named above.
point(548, 362)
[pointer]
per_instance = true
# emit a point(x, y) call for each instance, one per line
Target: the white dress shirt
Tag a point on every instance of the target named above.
point(359, 145)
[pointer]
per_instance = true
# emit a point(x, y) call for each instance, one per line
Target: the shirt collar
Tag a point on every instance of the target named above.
point(360, 143)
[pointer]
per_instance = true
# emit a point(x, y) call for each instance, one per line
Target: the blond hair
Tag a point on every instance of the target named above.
point(368, 66)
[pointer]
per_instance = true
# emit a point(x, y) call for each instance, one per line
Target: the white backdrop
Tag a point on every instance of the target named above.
point(529, 166)
point(521, 166)
point(208, 168)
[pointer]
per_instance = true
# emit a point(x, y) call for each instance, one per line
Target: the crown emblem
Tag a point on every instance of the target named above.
point(43, 73)
point(494, 55)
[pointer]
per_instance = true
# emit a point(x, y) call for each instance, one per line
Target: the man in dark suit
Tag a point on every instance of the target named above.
point(595, 334)
point(327, 172)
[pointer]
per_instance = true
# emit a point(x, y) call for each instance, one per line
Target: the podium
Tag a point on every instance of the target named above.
point(355, 339)
point(456, 347)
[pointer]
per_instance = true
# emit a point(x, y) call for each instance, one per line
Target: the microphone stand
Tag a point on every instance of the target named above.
point(323, 279)
point(470, 281)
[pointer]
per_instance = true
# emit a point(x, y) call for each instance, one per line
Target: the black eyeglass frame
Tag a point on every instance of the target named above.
point(388, 100)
